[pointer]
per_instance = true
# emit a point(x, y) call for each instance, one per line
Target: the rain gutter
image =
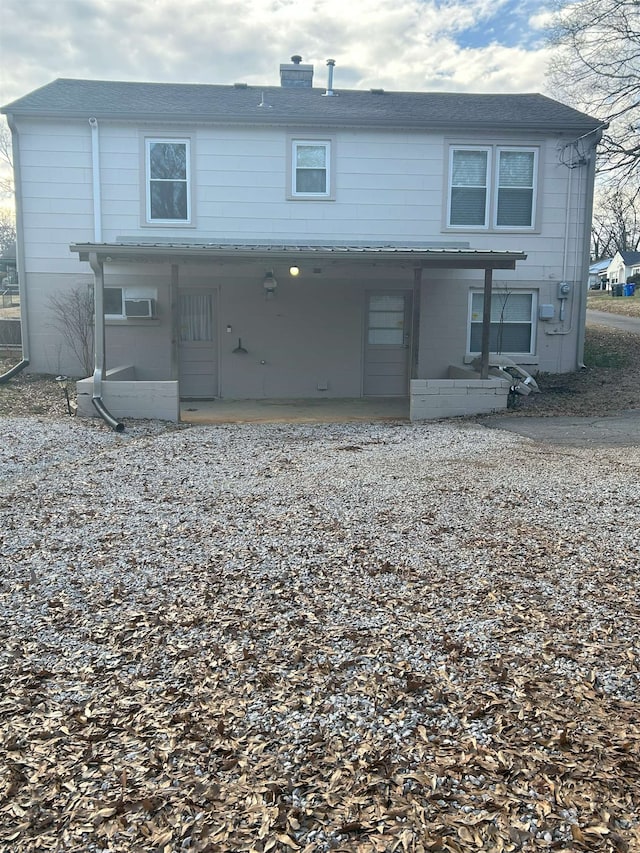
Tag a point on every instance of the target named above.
point(22, 283)
point(99, 345)
point(584, 271)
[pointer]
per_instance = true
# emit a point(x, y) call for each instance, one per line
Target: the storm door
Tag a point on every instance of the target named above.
point(387, 344)
point(198, 350)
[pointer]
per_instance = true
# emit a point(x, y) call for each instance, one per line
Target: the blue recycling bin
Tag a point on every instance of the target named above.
point(628, 289)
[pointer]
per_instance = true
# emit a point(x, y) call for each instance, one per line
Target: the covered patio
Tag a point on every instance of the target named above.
point(119, 391)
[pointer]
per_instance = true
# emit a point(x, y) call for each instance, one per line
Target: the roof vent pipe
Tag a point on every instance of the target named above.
point(330, 64)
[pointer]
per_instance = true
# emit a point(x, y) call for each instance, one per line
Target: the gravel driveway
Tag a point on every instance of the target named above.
point(338, 637)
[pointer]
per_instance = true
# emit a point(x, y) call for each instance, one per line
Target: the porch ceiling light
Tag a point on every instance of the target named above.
point(294, 271)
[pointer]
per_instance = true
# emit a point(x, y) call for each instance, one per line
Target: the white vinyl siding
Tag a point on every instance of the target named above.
point(512, 323)
point(168, 180)
point(473, 203)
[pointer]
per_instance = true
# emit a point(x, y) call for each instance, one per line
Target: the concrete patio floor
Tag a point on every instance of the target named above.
point(345, 410)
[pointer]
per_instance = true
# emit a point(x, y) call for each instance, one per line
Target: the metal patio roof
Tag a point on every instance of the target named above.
point(419, 256)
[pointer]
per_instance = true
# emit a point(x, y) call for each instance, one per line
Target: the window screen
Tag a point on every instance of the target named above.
point(516, 175)
point(468, 204)
point(311, 168)
point(168, 176)
point(113, 301)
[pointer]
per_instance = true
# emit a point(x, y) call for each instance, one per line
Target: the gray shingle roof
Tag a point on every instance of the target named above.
point(302, 107)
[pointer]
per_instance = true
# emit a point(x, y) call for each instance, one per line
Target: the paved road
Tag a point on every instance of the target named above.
point(620, 430)
point(613, 321)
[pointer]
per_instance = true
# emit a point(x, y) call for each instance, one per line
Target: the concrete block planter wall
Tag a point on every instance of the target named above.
point(448, 398)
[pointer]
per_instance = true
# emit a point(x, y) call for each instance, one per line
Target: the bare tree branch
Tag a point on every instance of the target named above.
point(616, 221)
point(597, 69)
point(73, 317)
point(6, 161)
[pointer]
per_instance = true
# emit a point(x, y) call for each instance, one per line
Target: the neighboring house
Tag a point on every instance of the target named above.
point(302, 242)
point(598, 272)
point(623, 266)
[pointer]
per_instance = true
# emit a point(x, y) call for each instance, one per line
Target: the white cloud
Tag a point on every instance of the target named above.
point(409, 44)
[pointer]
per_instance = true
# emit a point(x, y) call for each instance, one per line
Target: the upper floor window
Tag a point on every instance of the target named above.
point(469, 196)
point(168, 180)
point(476, 200)
point(515, 188)
point(311, 169)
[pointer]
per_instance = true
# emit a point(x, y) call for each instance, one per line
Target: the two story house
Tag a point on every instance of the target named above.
point(302, 241)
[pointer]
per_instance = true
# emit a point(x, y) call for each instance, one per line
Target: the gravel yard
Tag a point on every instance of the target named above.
point(358, 637)
point(322, 638)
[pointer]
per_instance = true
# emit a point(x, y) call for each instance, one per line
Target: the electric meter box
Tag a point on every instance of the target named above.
point(547, 312)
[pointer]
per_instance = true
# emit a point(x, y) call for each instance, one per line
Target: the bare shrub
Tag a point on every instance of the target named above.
point(73, 316)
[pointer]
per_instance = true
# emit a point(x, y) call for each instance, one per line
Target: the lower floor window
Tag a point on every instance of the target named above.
point(130, 303)
point(114, 302)
point(512, 323)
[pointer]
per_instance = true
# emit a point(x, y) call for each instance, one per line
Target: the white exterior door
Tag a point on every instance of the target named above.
point(387, 344)
point(198, 348)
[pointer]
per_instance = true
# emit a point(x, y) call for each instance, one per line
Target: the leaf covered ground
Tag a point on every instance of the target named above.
point(352, 638)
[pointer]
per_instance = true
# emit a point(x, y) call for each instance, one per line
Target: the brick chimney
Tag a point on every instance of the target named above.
point(295, 75)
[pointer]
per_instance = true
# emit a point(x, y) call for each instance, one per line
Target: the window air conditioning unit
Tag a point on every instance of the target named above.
point(140, 308)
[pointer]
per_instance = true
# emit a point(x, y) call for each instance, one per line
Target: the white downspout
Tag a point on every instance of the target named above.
point(22, 276)
point(95, 171)
point(99, 372)
point(99, 345)
point(586, 248)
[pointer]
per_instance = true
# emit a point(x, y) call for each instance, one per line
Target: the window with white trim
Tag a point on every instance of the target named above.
point(512, 322)
point(476, 201)
point(469, 194)
point(168, 180)
point(310, 168)
point(126, 303)
point(516, 172)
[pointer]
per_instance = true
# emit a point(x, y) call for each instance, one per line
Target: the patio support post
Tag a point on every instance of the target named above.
point(415, 322)
point(175, 307)
point(98, 307)
point(486, 324)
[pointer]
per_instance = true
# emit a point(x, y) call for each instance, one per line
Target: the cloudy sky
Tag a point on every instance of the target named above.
point(447, 45)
